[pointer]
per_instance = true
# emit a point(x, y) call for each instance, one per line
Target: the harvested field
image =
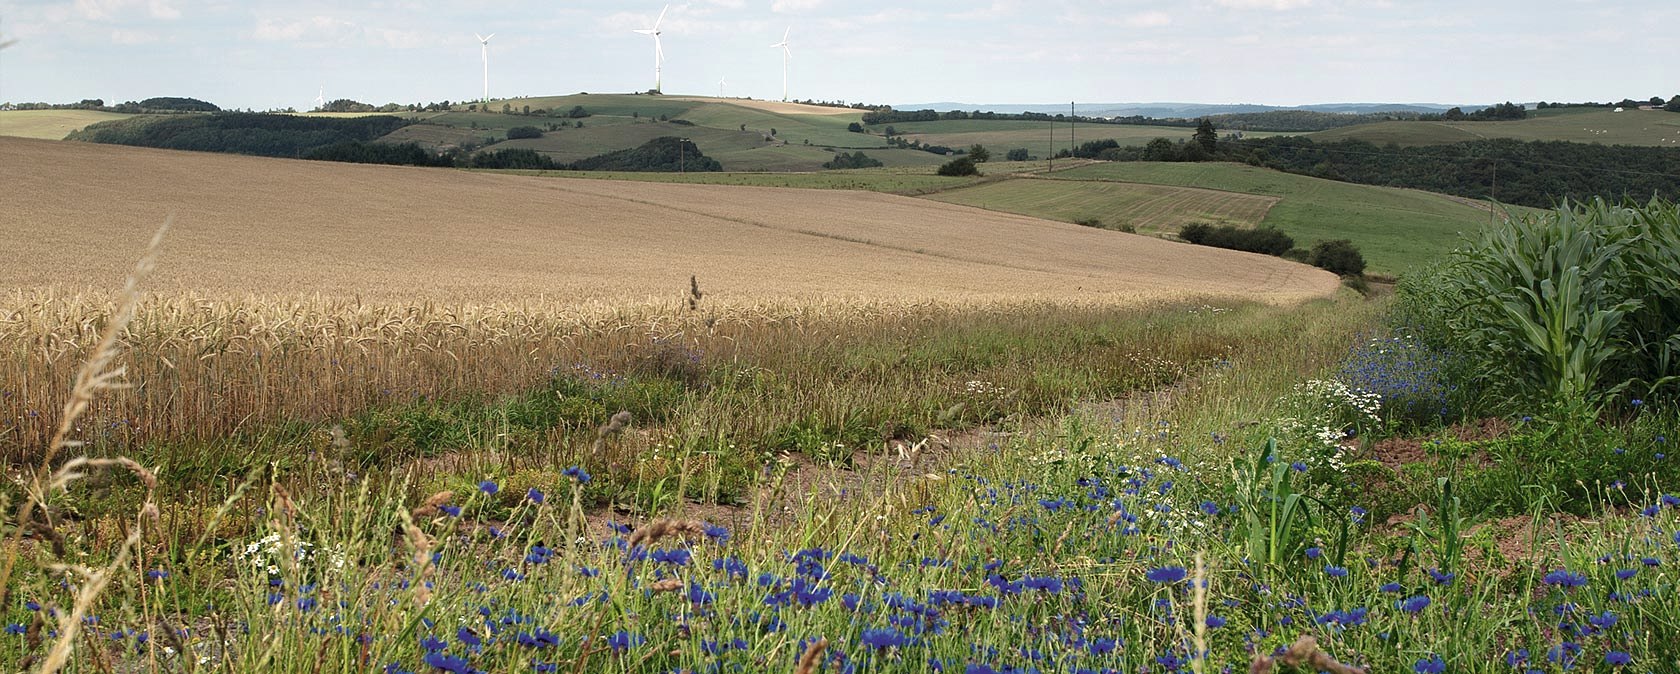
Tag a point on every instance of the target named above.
point(77, 216)
point(1149, 208)
point(51, 124)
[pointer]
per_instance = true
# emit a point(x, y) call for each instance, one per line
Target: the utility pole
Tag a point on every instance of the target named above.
point(1071, 113)
point(1051, 155)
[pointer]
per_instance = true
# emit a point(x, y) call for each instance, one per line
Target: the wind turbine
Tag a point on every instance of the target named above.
point(786, 54)
point(658, 51)
point(321, 99)
point(484, 53)
point(721, 82)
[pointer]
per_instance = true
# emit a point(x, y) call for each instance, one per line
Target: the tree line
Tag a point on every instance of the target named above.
point(1527, 173)
point(355, 140)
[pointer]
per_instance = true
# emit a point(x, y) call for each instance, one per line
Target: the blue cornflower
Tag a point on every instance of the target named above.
point(1315, 552)
point(716, 533)
point(1430, 665)
point(1442, 577)
point(1636, 402)
point(1516, 658)
point(577, 473)
point(1358, 514)
point(1625, 574)
point(623, 640)
point(677, 556)
point(1166, 574)
point(157, 574)
point(882, 638)
point(1617, 659)
point(1336, 571)
point(1391, 588)
point(1299, 467)
point(446, 662)
point(534, 496)
point(468, 638)
point(1414, 603)
point(1210, 508)
point(1566, 579)
point(1215, 622)
point(432, 644)
point(489, 487)
point(450, 510)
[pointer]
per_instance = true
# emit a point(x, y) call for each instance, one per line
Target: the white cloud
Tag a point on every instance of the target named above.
point(781, 6)
point(1277, 5)
point(103, 10)
point(312, 29)
point(1148, 20)
point(132, 37)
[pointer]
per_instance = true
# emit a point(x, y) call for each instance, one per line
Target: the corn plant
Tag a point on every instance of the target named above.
point(1575, 305)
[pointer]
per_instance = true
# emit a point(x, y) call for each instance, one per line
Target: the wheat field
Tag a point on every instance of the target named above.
point(75, 215)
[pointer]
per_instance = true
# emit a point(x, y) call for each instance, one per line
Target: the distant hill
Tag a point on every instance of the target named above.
point(1168, 110)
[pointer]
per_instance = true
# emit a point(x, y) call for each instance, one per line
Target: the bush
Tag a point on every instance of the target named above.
point(520, 132)
point(980, 153)
point(854, 127)
point(1264, 240)
point(850, 161)
point(961, 166)
point(1339, 257)
point(1018, 154)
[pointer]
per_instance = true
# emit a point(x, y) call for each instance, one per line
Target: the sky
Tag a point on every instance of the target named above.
point(265, 54)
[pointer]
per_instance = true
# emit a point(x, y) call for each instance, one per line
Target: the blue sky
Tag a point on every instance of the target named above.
point(264, 54)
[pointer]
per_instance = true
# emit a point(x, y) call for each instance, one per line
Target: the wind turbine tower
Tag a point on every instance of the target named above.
point(721, 82)
point(658, 51)
point(484, 54)
point(321, 99)
point(786, 54)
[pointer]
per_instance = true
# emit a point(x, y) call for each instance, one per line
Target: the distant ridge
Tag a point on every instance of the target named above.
point(1166, 110)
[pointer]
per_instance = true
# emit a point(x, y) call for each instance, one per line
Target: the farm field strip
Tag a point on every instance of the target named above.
point(1630, 127)
point(51, 124)
point(1151, 208)
point(252, 226)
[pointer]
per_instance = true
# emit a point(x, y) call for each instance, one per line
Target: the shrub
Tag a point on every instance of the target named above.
point(1018, 154)
point(980, 153)
point(1263, 240)
point(853, 160)
point(1339, 257)
point(1089, 222)
point(961, 166)
point(519, 132)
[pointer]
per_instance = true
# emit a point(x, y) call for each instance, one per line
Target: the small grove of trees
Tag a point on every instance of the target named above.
point(854, 127)
point(1018, 154)
point(1503, 111)
point(850, 161)
point(520, 132)
point(961, 166)
point(1263, 240)
point(979, 153)
point(1337, 256)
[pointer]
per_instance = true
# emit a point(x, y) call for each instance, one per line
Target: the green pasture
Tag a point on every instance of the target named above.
point(1630, 127)
point(1394, 228)
point(1114, 205)
point(51, 124)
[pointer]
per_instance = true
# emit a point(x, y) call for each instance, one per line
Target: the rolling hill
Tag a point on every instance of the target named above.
point(253, 226)
point(51, 124)
point(1590, 125)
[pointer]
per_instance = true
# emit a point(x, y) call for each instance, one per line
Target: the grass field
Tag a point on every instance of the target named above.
point(419, 420)
point(451, 236)
point(51, 124)
point(1150, 209)
point(1001, 135)
point(1394, 228)
point(1629, 127)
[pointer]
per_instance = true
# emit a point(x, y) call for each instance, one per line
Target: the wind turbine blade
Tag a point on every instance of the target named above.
point(487, 37)
point(661, 18)
point(645, 31)
point(658, 49)
point(480, 37)
point(786, 33)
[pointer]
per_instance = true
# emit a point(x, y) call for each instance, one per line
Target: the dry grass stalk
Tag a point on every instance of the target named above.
point(1198, 661)
point(421, 545)
point(812, 656)
point(1304, 652)
point(429, 508)
point(652, 532)
point(666, 585)
point(95, 581)
point(95, 375)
